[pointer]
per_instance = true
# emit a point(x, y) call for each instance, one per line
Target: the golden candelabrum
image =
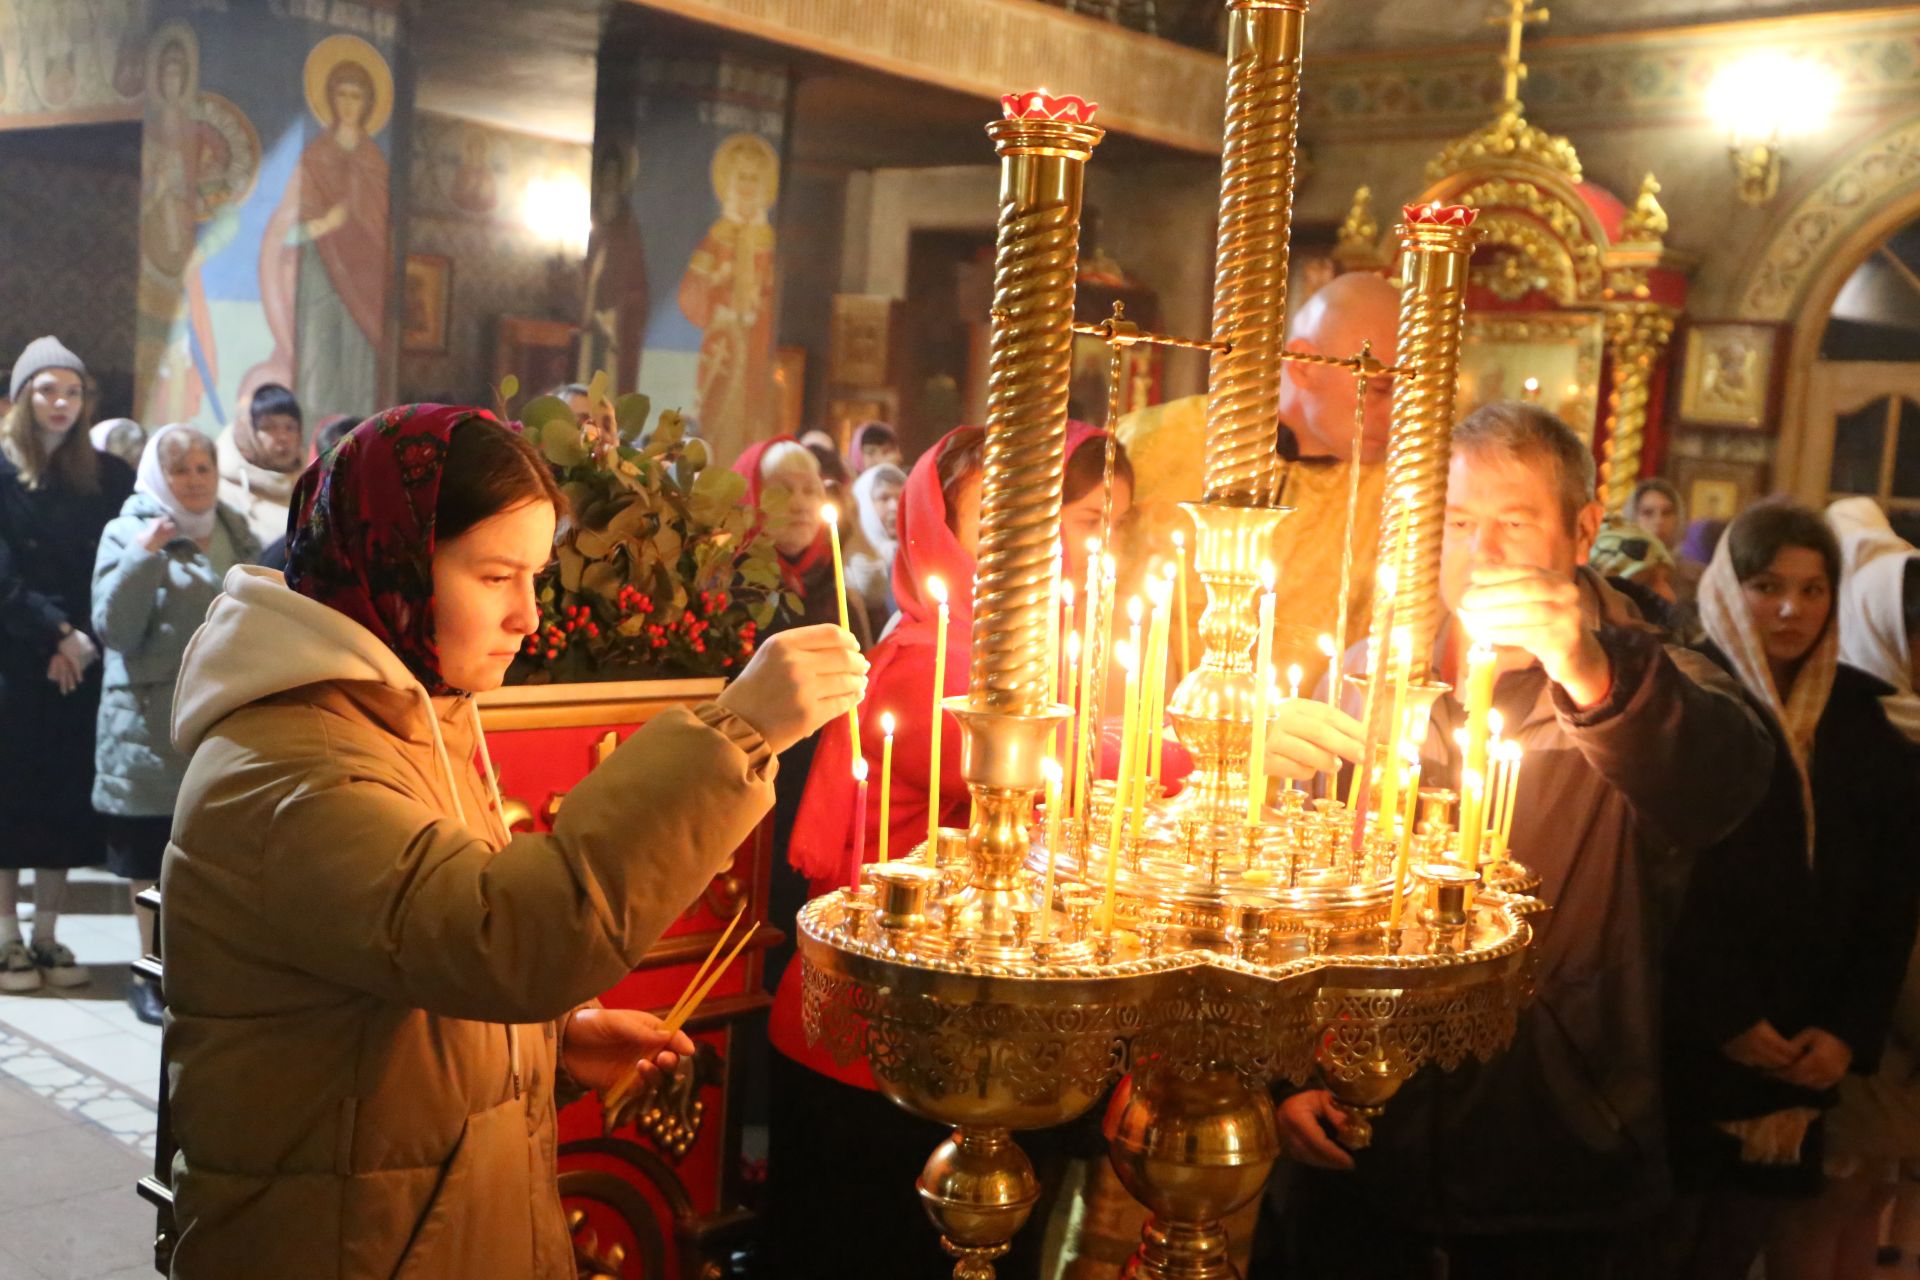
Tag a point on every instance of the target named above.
point(1310, 943)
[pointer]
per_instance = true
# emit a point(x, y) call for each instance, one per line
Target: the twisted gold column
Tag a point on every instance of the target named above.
point(1436, 241)
point(1250, 266)
point(1637, 334)
point(1030, 364)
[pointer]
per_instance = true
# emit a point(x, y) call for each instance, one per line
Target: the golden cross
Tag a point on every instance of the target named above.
point(1518, 16)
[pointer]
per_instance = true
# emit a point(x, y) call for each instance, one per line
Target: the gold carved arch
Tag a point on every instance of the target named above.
point(1537, 234)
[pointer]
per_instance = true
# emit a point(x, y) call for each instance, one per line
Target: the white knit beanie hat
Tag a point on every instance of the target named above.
point(41, 355)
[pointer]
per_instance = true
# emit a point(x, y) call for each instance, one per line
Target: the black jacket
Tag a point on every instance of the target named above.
point(1764, 934)
point(48, 540)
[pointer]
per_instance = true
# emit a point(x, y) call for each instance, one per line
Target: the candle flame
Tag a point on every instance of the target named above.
point(1180, 538)
point(1052, 771)
point(1123, 653)
point(830, 513)
point(1268, 575)
point(1073, 645)
point(1460, 739)
point(1511, 752)
point(1326, 645)
point(938, 590)
point(1160, 591)
point(1066, 592)
point(1093, 546)
point(1294, 676)
point(1108, 567)
point(1473, 781)
point(859, 769)
point(1170, 571)
point(886, 723)
point(1495, 722)
point(1135, 610)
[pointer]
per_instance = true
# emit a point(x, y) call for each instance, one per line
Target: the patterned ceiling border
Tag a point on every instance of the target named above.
point(1620, 78)
point(1861, 186)
point(1146, 87)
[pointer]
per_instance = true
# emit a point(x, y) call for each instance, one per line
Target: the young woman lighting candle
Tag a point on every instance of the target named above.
point(835, 1140)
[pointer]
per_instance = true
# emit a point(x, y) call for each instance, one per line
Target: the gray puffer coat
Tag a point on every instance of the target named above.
point(146, 606)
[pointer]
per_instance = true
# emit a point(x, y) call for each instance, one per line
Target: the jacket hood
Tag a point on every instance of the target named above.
point(261, 639)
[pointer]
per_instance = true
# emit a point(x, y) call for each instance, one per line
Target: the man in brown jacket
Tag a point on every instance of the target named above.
point(1540, 1163)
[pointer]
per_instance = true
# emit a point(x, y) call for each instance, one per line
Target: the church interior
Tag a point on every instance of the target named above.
point(1687, 232)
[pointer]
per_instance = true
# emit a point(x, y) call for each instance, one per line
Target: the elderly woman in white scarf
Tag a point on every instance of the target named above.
point(160, 565)
point(1795, 931)
point(876, 499)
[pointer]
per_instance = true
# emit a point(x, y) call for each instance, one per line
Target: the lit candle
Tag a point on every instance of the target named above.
point(1052, 670)
point(1128, 655)
point(1064, 639)
point(1157, 677)
point(831, 515)
point(1496, 776)
point(1473, 798)
point(1099, 590)
point(1403, 850)
point(886, 780)
point(1070, 694)
point(1262, 685)
point(1180, 597)
point(1396, 728)
point(859, 821)
point(1051, 768)
point(1294, 675)
point(1512, 781)
point(1333, 670)
point(938, 590)
point(1145, 731)
point(1481, 663)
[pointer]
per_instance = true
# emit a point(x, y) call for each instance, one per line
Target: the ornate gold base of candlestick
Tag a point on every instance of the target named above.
point(1212, 710)
point(1192, 1147)
point(979, 1188)
point(1000, 757)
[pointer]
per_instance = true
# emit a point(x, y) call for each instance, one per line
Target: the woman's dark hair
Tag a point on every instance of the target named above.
point(1760, 532)
point(872, 434)
point(490, 469)
point(963, 454)
point(271, 399)
point(833, 468)
point(331, 431)
point(1088, 463)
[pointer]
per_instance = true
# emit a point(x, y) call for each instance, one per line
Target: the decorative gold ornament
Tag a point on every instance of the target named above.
point(1646, 222)
point(1358, 246)
point(1637, 336)
point(1264, 45)
point(1508, 137)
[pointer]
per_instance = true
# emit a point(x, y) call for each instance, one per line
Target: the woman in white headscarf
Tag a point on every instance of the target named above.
point(159, 567)
point(876, 499)
point(1795, 931)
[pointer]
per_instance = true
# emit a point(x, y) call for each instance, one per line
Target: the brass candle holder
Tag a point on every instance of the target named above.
point(1243, 947)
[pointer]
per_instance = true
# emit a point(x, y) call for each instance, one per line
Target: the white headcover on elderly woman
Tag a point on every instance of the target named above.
point(1872, 605)
point(151, 478)
point(873, 526)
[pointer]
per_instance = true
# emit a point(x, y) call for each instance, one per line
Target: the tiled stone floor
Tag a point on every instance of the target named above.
point(78, 1076)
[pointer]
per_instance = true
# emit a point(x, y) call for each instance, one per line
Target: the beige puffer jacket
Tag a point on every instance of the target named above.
point(364, 971)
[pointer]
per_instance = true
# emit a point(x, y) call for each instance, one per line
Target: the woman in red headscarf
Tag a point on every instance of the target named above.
point(834, 1140)
point(375, 989)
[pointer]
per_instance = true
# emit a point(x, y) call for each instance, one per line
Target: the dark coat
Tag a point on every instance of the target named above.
point(1564, 1131)
point(1763, 934)
point(48, 540)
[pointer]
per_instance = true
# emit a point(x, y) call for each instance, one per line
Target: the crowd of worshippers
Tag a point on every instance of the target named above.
point(1721, 1058)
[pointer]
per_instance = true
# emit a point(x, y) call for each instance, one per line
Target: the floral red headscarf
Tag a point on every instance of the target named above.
point(360, 535)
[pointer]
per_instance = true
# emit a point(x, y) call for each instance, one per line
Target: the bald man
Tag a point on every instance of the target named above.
point(1167, 444)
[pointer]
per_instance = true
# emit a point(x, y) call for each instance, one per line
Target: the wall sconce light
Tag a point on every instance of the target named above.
point(559, 210)
point(1759, 102)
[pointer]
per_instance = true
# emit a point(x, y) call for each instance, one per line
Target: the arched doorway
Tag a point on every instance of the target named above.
point(1860, 432)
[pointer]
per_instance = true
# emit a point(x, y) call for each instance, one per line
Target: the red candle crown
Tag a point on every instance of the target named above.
point(1433, 213)
point(1038, 104)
